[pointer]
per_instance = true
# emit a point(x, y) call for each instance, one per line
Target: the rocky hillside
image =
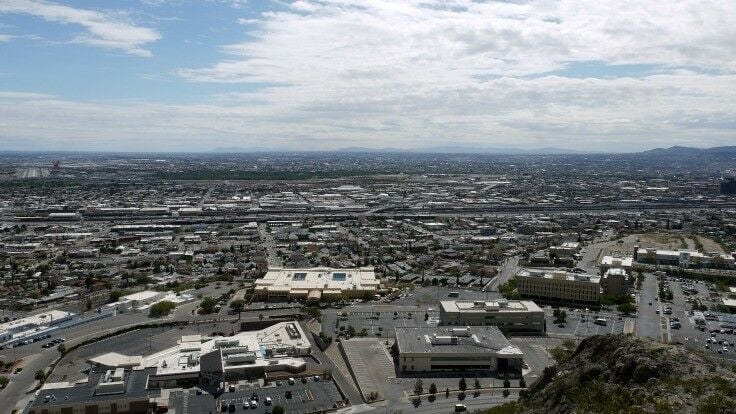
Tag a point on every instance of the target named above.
point(623, 374)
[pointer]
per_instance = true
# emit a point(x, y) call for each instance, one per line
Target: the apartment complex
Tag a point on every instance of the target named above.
point(559, 286)
point(511, 317)
point(474, 348)
point(314, 284)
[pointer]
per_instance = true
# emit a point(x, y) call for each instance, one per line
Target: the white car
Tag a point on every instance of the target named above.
point(253, 404)
point(267, 401)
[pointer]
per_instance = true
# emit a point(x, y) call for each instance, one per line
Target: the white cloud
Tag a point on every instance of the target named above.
point(623, 114)
point(6, 38)
point(419, 73)
point(106, 29)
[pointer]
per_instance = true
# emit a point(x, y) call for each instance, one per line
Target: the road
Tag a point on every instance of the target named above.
point(648, 322)
point(509, 269)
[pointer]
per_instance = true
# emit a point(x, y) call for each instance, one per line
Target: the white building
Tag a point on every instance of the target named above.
point(612, 262)
point(474, 348)
point(32, 326)
point(512, 317)
point(281, 284)
point(684, 258)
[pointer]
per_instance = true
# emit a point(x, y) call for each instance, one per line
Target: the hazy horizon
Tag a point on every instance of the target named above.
point(322, 75)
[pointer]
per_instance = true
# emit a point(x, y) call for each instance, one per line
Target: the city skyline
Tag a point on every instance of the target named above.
point(157, 75)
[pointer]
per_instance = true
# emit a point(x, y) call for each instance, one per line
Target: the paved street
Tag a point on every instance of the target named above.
point(648, 322)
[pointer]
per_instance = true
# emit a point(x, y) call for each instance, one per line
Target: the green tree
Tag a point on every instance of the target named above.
point(522, 383)
point(277, 409)
point(40, 375)
point(462, 386)
point(161, 309)
point(419, 387)
point(237, 305)
point(433, 388)
point(477, 384)
point(447, 392)
point(626, 308)
point(61, 348)
point(506, 383)
point(4, 381)
point(208, 304)
point(115, 295)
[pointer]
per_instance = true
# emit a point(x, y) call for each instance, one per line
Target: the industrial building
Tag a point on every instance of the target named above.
point(559, 286)
point(684, 258)
point(471, 348)
point(512, 317)
point(314, 284)
point(132, 384)
point(143, 300)
point(32, 326)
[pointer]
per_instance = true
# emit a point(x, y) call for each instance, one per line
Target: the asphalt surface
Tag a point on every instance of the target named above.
point(648, 322)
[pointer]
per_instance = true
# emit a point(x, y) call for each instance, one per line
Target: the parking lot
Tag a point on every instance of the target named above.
point(713, 337)
point(582, 324)
point(299, 398)
point(379, 322)
point(372, 367)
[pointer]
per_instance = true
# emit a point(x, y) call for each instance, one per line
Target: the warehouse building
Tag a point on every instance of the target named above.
point(472, 348)
point(315, 284)
point(512, 317)
point(558, 286)
point(32, 326)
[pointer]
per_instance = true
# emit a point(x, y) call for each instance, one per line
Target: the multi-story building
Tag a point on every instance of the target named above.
point(559, 286)
point(615, 282)
point(511, 317)
point(728, 186)
point(316, 283)
point(474, 348)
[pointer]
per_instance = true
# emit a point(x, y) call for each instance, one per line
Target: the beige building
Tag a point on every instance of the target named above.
point(315, 284)
point(559, 286)
point(615, 282)
point(474, 348)
point(512, 317)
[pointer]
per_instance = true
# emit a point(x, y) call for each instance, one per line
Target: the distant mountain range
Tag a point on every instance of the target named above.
point(688, 151)
point(454, 149)
point(674, 151)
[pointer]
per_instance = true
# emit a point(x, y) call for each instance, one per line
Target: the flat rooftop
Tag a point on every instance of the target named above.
point(45, 318)
point(501, 306)
point(558, 275)
point(450, 340)
point(323, 278)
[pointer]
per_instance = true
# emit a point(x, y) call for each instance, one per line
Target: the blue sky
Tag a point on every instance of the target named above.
point(179, 75)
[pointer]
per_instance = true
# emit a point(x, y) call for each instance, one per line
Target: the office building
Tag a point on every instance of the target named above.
point(511, 317)
point(559, 286)
point(474, 348)
point(315, 284)
point(728, 186)
point(616, 282)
